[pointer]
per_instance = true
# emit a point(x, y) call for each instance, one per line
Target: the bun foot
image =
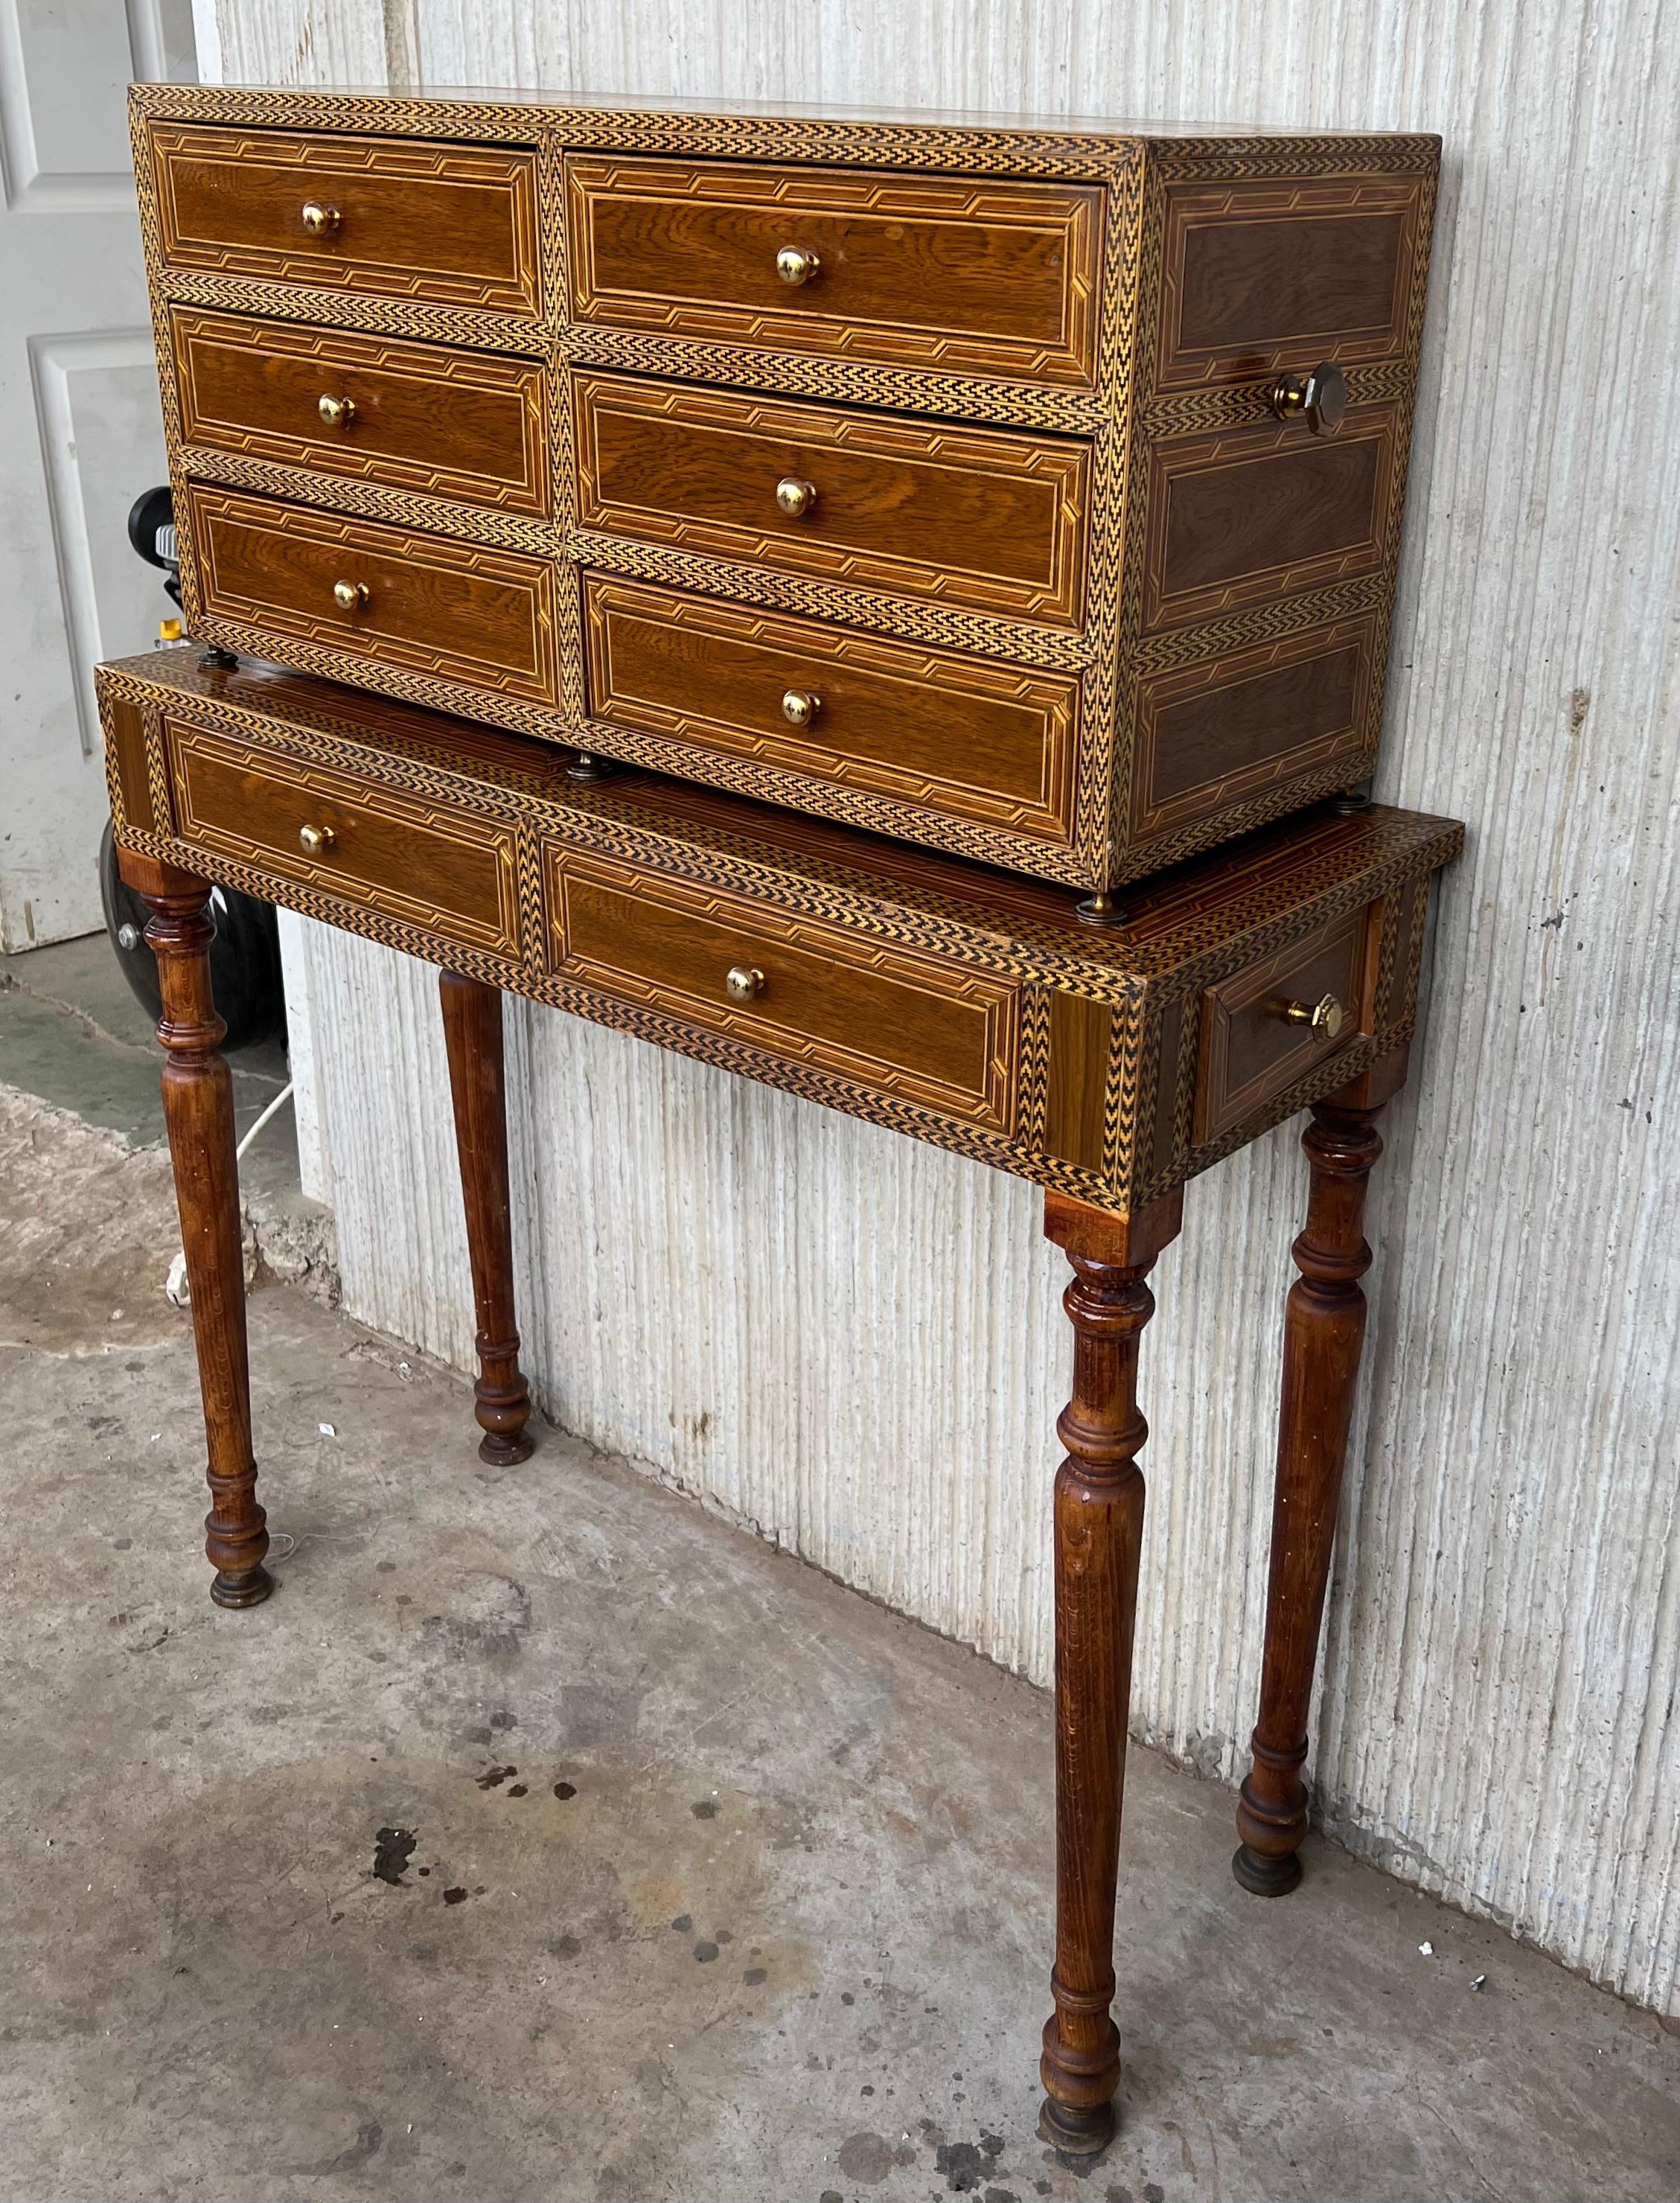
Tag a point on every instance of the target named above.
point(248, 1588)
point(1266, 1877)
point(499, 1452)
point(1076, 2133)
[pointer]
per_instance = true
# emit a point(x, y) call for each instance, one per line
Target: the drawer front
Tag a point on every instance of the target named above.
point(459, 610)
point(440, 868)
point(919, 1028)
point(961, 736)
point(1280, 273)
point(450, 225)
point(992, 521)
point(469, 426)
point(1252, 514)
point(1251, 1051)
point(963, 274)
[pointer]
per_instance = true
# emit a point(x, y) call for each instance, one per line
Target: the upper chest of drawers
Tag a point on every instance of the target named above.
point(751, 445)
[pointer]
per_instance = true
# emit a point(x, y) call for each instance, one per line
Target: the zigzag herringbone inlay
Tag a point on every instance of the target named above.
point(1021, 380)
point(898, 985)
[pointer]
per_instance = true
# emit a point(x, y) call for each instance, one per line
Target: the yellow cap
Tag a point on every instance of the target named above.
point(168, 630)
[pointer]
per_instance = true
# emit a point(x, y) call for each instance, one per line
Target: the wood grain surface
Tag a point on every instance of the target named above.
point(482, 618)
point(995, 522)
point(970, 736)
point(436, 223)
point(978, 276)
point(465, 425)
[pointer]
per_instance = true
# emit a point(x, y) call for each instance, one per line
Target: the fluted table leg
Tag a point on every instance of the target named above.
point(473, 1034)
point(1323, 1332)
point(1098, 1531)
point(199, 1112)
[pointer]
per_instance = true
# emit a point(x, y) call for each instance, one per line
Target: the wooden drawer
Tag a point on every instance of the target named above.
point(1250, 1052)
point(971, 274)
point(989, 520)
point(470, 426)
point(445, 224)
point(457, 611)
point(960, 735)
point(432, 865)
point(1254, 513)
point(926, 1029)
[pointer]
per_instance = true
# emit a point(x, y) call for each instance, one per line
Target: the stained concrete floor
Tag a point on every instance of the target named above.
point(72, 1031)
point(72, 1034)
point(544, 1837)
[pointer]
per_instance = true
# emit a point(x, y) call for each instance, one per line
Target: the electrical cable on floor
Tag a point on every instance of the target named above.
point(175, 1285)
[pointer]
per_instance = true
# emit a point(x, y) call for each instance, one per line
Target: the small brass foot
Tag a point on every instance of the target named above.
point(585, 765)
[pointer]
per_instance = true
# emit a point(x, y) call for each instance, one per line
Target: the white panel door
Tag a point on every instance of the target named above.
point(79, 396)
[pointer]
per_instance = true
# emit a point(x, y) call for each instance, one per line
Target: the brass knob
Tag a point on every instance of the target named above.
point(795, 265)
point(336, 412)
point(800, 708)
point(1320, 397)
point(1325, 1016)
point(349, 596)
point(796, 498)
point(315, 840)
point(744, 982)
point(320, 220)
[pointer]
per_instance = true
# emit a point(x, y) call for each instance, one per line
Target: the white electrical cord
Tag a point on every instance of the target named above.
point(175, 1285)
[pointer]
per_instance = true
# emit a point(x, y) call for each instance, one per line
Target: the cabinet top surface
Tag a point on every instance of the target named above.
point(518, 110)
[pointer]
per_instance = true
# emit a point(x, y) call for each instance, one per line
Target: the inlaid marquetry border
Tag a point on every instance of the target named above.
point(1121, 417)
point(1188, 934)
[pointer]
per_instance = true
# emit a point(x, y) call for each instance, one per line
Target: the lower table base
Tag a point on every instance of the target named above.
point(1099, 1486)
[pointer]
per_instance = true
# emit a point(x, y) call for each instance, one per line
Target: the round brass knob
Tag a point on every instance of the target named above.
point(800, 708)
point(744, 982)
point(1325, 1016)
point(320, 220)
point(349, 596)
point(1319, 397)
point(336, 412)
point(796, 498)
point(315, 840)
point(794, 265)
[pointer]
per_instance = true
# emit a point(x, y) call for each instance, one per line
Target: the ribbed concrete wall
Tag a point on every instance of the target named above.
point(856, 1344)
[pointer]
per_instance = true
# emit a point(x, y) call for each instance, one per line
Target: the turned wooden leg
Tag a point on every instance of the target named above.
point(473, 1034)
point(199, 1111)
point(1323, 1330)
point(1098, 1531)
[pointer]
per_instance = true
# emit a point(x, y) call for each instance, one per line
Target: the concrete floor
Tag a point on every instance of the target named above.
point(72, 1034)
point(545, 1837)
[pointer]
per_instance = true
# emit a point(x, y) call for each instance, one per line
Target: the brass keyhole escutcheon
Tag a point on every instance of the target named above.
point(794, 264)
point(1320, 398)
point(744, 982)
point(795, 497)
point(320, 220)
point(349, 596)
point(315, 840)
point(800, 708)
point(1326, 1016)
point(336, 412)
